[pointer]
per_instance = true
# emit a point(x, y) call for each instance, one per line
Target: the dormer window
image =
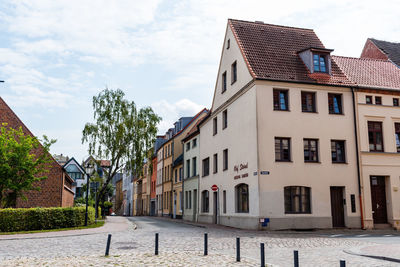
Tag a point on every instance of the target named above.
point(316, 59)
point(319, 63)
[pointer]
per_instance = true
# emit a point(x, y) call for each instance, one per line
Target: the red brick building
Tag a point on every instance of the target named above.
point(56, 190)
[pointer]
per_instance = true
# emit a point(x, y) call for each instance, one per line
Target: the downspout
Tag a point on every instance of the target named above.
point(182, 200)
point(198, 188)
point(358, 158)
point(162, 185)
point(62, 187)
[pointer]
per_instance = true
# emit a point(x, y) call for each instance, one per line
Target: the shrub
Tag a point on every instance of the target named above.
point(106, 207)
point(14, 220)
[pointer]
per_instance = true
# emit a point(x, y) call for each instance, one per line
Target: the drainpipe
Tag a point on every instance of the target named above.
point(162, 186)
point(183, 181)
point(358, 158)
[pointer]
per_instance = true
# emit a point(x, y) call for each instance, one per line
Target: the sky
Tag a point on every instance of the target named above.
point(56, 55)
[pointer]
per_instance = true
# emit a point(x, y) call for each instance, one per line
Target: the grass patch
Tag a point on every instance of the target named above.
point(95, 225)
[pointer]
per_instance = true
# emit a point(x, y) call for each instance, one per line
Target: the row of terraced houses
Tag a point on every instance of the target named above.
point(296, 138)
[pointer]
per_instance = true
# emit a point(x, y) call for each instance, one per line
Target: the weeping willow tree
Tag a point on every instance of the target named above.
point(121, 133)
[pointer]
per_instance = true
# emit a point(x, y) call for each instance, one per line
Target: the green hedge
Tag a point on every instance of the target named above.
point(14, 220)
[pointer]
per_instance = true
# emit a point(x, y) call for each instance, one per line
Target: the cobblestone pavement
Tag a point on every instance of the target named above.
point(182, 245)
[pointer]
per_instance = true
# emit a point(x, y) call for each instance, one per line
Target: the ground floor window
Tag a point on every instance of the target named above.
point(187, 200)
point(190, 199)
point(297, 199)
point(224, 201)
point(180, 201)
point(242, 198)
point(205, 201)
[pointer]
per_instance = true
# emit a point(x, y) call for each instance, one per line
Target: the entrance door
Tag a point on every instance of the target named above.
point(215, 204)
point(153, 208)
point(337, 206)
point(378, 197)
point(195, 205)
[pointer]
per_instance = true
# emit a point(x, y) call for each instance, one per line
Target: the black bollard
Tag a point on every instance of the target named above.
point(205, 244)
point(237, 248)
point(108, 244)
point(262, 255)
point(342, 263)
point(156, 245)
point(296, 258)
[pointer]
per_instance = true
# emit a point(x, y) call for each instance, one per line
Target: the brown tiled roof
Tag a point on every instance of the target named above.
point(373, 73)
point(194, 128)
point(271, 52)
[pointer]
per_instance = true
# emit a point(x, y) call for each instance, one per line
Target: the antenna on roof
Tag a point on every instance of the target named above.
point(259, 22)
point(1, 81)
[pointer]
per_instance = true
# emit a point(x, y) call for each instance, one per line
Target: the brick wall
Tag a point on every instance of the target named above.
point(51, 193)
point(370, 50)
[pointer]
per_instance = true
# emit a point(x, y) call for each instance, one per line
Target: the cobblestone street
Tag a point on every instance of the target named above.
point(181, 244)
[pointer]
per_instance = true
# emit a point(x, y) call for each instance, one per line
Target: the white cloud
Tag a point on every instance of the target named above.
point(171, 112)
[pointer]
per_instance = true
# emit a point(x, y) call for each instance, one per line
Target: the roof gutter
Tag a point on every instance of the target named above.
point(358, 158)
point(302, 82)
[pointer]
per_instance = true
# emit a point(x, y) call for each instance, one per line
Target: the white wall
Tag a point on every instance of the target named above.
point(319, 176)
point(240, 139)
point(243, 75)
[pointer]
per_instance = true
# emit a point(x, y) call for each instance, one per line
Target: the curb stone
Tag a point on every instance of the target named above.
point(384, 258)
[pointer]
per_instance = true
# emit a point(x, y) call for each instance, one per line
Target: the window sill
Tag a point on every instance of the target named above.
point(284, 161)
point(222, 92)
point(339, 162)
point(336, 113)
point(297, 213)
point(233, 82)
point(312, 162)
point(322, 72)
point(305, 111)
point(225, 169)
point(282, 110)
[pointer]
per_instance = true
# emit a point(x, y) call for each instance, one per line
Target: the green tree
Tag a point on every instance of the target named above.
point(23, 161)
point(120, 133)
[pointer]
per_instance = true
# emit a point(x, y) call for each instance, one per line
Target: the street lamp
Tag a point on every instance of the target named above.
point(87, 198)
point(89, 170)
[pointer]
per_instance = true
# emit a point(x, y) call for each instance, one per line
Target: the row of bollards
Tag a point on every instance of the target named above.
point(262, 250)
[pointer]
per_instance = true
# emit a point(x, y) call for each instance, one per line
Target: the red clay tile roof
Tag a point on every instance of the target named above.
point(271, 52)
point(194, 128)
point(372, 73)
